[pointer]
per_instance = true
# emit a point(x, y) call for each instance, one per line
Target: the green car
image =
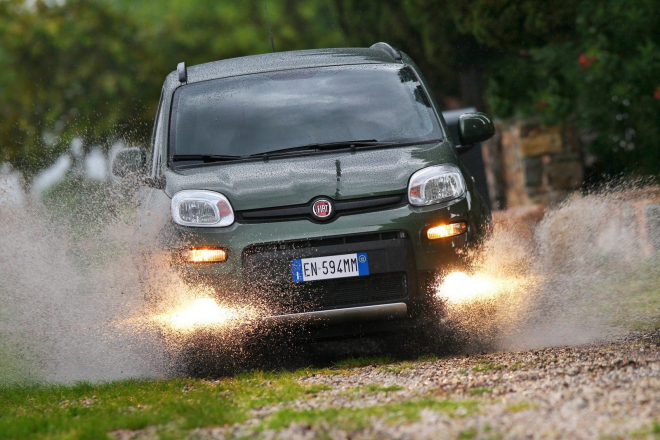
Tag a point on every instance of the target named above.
point(318, 187)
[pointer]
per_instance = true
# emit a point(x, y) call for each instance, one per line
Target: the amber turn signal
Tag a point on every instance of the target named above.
point(444, 231)
point(204, 255)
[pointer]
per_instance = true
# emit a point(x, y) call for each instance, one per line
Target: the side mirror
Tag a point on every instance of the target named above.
point(129, 161)
point(474, 128)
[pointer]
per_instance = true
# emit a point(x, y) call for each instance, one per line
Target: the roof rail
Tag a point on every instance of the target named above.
point(385, 47)
point(183, 72)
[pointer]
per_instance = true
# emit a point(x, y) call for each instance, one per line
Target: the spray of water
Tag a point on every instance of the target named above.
point(73, 281)
point(588, 271)
point(74, 275)
point(66, 276)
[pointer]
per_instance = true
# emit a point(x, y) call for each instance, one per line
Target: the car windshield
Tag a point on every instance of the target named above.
point(261, 113)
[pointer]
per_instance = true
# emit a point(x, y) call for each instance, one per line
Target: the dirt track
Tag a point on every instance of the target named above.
point(607, 390)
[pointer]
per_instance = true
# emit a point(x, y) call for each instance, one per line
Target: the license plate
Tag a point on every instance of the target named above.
point(333, 266)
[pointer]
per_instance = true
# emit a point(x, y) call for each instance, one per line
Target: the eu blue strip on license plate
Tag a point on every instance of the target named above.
point(332, 266)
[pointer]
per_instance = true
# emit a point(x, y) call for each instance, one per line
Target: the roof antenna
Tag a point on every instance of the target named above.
point(272, 44)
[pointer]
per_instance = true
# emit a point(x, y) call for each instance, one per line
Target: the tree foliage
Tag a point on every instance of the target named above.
point(61, 78)
point(453, 62)
point(515, 24)
point(605, 77)
point(591, 62)
point(93, 68)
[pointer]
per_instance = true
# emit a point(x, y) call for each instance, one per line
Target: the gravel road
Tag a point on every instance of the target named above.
point(603, 390)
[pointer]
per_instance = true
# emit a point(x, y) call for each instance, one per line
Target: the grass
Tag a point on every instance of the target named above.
point(480, 391)
point(172, 408)
point(651, 432)
point(385, 363)
point(483, 366)
point(396, 368)
point(377, 388)
point(632, 297)
point(358, 418)
point(427, 358)
point(517, 407)
point(363, 362)
point(17, 364)
point(467, 434)
point(485, 433)
point(91, 411)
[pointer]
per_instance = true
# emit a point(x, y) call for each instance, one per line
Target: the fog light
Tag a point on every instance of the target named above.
point(204, 255)
point(444, 231)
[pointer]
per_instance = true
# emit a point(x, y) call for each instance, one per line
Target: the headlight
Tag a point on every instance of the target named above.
point(202, 208)
point(436, 184)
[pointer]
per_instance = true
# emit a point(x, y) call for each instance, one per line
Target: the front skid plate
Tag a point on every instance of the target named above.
point(340, 316)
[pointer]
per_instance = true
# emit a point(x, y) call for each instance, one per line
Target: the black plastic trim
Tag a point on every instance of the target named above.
point(325, 241)
point(182, 72)
point(389, 49)
point(302, 212)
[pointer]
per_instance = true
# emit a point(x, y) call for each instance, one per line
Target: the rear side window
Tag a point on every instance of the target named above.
point(258, 113)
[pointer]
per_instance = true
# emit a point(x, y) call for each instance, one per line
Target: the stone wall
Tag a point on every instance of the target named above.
point(532, 163)
point(530, 166)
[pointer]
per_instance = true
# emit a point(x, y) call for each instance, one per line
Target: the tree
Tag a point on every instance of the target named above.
point(94, 68)
point(74, 69)
point(596, 63)
point(517, 25)
point(453, 62)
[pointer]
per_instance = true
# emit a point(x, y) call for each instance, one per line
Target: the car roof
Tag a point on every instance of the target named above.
point(285, 61)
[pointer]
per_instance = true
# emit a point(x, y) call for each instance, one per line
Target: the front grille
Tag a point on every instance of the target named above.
point(324, 241)
point(338, 293)
point(298, 212)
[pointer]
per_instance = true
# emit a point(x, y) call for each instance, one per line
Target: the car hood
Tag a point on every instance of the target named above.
point(288, 181)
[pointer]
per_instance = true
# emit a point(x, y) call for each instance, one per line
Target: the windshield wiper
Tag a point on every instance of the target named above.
point(282, 151)
point(344, 144)
point(206, 158)
point(325, 146)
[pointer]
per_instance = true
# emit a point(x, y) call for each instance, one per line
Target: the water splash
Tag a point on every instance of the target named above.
point(585, 273)
point(74, 276)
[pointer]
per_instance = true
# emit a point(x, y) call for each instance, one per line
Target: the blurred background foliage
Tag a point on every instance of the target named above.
point(94, 68)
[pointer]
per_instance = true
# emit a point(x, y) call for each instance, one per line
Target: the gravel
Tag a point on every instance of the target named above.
point(603, 390)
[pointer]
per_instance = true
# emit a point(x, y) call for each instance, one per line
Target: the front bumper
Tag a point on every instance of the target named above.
point(246, 270)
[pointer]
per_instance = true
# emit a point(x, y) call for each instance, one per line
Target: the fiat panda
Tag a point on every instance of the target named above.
point(317, 187)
